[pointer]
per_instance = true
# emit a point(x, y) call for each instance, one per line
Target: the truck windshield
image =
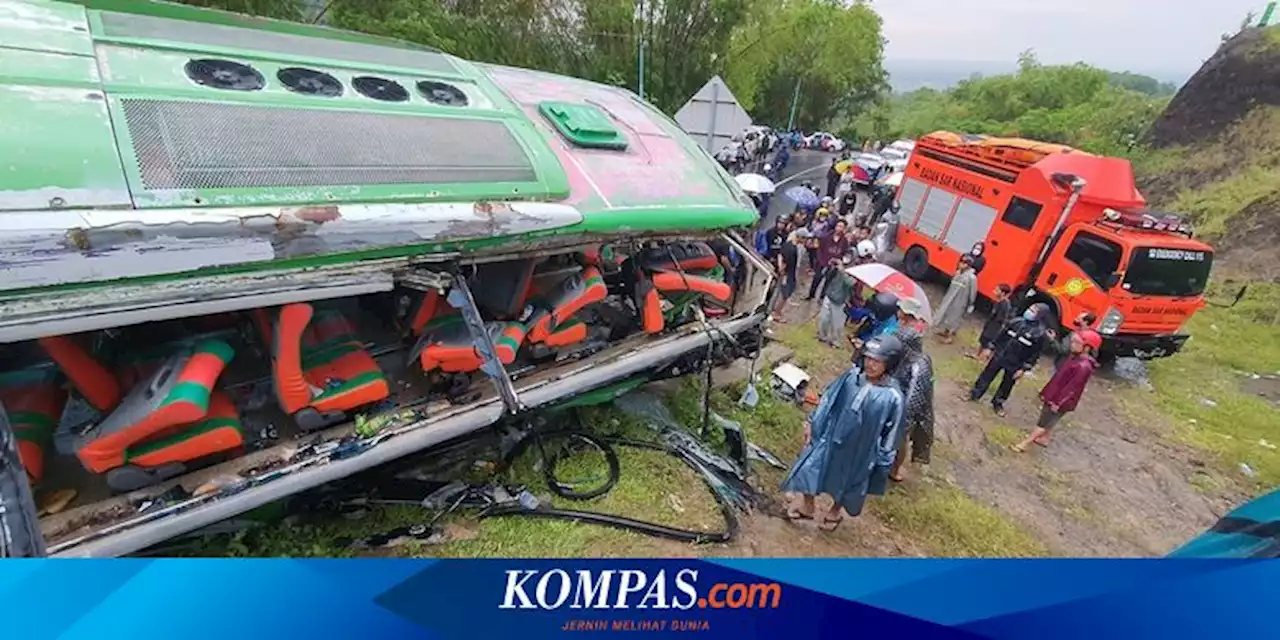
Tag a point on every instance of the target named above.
point(1157, 271)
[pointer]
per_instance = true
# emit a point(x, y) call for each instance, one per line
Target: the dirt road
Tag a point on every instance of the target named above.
point(1110, 484)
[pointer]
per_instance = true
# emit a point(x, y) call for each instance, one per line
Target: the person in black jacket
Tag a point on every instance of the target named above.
point(833, 178)
point(1001, 313)
point(1013, 353)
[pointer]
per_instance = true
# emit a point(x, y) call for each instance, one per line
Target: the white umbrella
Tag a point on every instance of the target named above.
point(892, 180)
point(754, 183)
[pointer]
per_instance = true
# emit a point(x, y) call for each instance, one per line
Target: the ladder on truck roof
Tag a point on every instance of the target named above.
point(1010, 156)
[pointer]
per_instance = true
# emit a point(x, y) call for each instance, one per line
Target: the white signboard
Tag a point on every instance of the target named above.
point(713, 116)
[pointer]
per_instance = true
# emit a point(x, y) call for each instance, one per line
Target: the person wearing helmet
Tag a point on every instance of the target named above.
point(1013, 353)
point(851, 438)
point(1063, 391)
point(958, 300)
point(1062, 348)
point(879, 316)
point(915, 375)
point(866, 251)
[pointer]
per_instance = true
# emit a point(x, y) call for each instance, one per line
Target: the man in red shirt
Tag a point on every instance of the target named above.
point(1064, 389)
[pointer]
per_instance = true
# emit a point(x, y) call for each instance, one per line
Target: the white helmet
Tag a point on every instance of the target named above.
point(866, 249)
point(768, 167)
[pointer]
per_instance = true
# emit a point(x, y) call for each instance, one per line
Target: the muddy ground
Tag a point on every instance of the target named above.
point(1110, 484)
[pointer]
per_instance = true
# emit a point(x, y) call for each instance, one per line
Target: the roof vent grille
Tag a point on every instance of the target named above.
point(224, 74)
point(380, 89)
point(309, 82)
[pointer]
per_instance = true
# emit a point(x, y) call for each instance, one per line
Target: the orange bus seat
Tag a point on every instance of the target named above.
point(33, 400)
point(673, 282)
point(322, 371)
point(447, 345)
point(96, 383)
point(167, 415)
point(428, 308)
point(649, 306)
point(689, 256)
point(569, 297)
point(567, 333)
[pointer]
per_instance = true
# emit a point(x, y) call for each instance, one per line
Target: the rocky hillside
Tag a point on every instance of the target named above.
point(1215, 153)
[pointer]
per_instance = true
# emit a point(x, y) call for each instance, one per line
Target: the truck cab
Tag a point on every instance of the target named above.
point(1142, 285)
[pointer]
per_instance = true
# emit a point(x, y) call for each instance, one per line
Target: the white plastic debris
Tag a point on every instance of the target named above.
point(1266, 445)
point(1248, 470)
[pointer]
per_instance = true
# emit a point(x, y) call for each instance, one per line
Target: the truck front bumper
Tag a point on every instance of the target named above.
point(1145, 347)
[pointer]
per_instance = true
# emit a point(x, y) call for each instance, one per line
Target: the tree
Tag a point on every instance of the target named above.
point(1078, 105)
point(833, 49)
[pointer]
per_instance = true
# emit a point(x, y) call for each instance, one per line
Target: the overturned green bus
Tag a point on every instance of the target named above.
point(226, 243)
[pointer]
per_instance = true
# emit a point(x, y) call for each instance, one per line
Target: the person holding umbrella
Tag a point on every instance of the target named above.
point(833, 177)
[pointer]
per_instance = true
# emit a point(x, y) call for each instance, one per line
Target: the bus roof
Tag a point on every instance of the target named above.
point(132, 108)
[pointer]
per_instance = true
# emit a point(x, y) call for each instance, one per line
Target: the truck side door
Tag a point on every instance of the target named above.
point(1011, 244)
point(1078, 271)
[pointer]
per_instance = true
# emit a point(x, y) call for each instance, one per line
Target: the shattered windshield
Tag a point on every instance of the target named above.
point(1158, 271)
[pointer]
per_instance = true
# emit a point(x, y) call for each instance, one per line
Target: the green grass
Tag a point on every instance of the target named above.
point(1224, 343)
point(1214, 205)
point(947, 522)
point(1003, 435)
point(1213, 182)
point(810, 354)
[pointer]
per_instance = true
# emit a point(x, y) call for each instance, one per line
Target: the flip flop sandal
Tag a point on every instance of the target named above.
point(834, 524)
point(1017, 449)
point(1043, 444)
point(897, 478)
point(1002, 413)
point(796, 514)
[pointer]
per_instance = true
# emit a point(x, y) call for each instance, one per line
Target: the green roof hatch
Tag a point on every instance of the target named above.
point(584, 125)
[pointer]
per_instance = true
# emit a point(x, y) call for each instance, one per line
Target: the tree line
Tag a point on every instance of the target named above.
point(1078, 105)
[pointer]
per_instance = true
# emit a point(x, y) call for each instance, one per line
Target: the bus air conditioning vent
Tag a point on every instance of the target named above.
point(380, 89)
point(442, 94)
point(182, 144)
point(309, 82)
point(224, 74)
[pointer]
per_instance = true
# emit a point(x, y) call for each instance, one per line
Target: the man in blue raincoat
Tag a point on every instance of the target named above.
point(851, 438)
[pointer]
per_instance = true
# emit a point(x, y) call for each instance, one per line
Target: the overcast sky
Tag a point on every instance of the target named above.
point(1158, 37)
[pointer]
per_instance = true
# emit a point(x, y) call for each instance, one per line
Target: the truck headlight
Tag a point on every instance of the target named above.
point(1111, 322)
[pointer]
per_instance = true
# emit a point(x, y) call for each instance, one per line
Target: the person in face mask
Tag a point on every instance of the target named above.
point(1013, 353)
point(978, 255)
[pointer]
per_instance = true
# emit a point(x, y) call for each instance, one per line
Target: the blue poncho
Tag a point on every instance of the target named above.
point(855, 431)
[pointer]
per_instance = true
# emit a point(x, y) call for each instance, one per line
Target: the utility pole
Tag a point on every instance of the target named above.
point(640, 68)
point(795, 100)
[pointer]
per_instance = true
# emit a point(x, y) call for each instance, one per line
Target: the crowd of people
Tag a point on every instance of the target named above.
point(880, 411)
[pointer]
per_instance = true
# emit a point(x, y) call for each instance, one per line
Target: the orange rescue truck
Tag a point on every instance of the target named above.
point(1060, 226)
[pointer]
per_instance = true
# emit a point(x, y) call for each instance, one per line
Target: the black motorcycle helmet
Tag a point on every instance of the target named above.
point(885, 348)
point(883, 306)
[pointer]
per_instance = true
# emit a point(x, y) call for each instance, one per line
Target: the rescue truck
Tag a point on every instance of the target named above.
point(1060, 226)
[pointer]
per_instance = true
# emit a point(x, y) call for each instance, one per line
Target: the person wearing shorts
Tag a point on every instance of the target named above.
point(788, 263)
point(1062, 393)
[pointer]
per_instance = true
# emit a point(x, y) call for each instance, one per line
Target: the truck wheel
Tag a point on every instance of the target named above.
point(916, 263)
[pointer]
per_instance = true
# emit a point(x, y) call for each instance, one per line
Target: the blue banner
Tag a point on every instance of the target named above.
point(740, 599)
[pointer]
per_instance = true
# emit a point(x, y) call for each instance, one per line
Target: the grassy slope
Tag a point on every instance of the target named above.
point(1200, 388)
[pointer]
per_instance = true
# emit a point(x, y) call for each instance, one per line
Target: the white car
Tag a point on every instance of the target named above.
point(824, 141)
